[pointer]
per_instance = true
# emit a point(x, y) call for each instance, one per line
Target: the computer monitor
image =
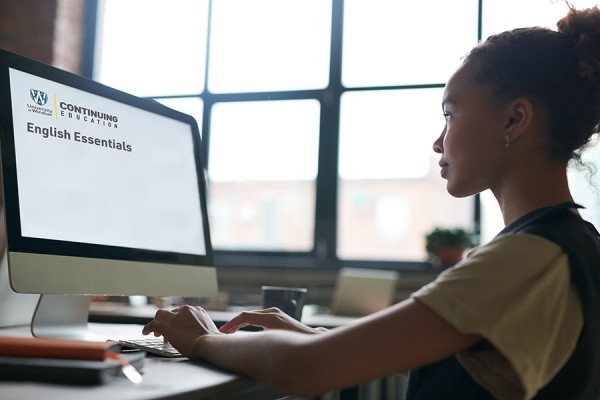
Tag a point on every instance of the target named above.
point(104, 195)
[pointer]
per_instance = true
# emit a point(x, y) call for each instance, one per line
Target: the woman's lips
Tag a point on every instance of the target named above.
point(443, 168)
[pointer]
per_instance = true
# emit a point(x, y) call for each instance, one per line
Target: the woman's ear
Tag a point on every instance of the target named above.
point(519, 117)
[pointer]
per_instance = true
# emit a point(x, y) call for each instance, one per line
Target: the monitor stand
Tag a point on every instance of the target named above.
point(63, 316)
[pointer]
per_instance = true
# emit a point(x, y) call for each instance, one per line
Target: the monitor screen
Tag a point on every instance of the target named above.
point(104, 191)
point(94, 170)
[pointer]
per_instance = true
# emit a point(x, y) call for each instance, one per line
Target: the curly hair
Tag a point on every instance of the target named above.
point(559, 71)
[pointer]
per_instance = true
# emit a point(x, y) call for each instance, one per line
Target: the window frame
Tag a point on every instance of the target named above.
point(323, 254)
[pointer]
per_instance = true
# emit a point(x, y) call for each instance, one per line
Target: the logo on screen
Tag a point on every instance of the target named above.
point(40, 98)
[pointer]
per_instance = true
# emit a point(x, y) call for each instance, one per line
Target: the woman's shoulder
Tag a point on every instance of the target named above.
point(494, 275)
point(517, 254)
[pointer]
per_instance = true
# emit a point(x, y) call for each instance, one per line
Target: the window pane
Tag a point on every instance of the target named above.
point(491, 217)
point(390, 190)
point(191, 106)
point(269, 45)
point(391, 42)
point(389, 133)
point(152, 47)
point(499, 16)
point(586, 187)
point(262, 171)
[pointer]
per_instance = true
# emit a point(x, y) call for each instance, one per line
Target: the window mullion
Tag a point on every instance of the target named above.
point(327, 188)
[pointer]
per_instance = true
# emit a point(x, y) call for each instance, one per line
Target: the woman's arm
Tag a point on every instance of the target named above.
point(394, 340)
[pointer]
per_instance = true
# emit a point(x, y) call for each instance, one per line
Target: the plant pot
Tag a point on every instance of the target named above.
point(447, 256)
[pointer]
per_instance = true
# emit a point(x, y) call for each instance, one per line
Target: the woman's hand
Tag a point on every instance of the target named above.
point(182, 327)
point(270, 318)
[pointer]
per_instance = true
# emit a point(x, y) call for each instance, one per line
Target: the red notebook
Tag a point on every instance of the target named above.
point(56, 348)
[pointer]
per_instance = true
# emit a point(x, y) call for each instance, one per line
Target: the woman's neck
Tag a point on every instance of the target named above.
point(532, 191)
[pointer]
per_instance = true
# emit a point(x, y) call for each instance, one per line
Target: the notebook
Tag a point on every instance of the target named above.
point(66, 361)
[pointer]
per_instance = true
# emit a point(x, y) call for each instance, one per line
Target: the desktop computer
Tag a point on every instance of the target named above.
point(104, 194)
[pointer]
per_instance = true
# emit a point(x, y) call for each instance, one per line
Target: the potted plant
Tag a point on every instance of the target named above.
point(445, 246)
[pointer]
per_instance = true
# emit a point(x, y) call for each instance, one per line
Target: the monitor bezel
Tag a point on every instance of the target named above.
point(21, 244)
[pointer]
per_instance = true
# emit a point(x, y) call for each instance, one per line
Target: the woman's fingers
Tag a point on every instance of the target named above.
point(157, 324)
point(270, 318)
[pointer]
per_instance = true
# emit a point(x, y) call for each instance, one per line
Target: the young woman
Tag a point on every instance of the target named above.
point(519, 318)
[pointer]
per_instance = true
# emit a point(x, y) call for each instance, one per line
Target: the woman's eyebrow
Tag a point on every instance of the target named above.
point(448, 100)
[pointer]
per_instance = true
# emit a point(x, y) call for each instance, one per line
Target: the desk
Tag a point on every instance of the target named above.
point(126, 314)
point(388, 388)
point(163, 379)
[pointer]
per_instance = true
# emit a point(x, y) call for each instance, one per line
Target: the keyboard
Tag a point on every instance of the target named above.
point(152, 345)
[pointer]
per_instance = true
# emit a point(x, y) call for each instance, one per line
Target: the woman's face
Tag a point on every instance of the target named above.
point(472, 143)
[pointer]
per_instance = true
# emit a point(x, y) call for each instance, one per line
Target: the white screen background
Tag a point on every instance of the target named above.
point(147, 198)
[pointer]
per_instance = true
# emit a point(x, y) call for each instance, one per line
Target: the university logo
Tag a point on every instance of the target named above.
point(39, 97)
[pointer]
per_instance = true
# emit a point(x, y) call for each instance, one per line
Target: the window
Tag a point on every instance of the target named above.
point(262, 173)
point(152, 47)
point(391, 42)
point(317, 116)
point(394, 196)
point(269, 45)
point(584, 191)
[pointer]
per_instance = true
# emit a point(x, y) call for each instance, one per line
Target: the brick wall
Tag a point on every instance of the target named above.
point(49, 31)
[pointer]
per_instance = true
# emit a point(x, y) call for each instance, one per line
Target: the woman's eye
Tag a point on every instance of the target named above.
point(447, 115)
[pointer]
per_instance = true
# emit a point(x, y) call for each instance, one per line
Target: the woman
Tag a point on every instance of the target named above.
point(519, 318)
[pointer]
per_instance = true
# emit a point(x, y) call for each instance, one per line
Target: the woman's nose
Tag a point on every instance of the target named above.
point(438, 144)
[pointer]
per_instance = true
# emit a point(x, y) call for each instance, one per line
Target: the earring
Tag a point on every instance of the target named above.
point(506, 141)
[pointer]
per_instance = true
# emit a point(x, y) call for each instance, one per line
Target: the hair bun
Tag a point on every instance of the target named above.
point(583, 26)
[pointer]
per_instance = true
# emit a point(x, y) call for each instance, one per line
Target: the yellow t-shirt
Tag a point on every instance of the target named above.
point(516, 292)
